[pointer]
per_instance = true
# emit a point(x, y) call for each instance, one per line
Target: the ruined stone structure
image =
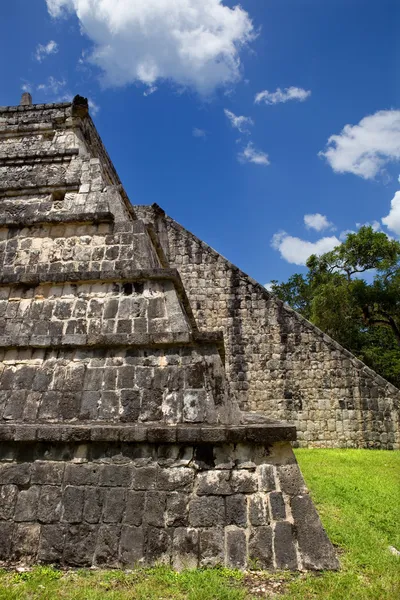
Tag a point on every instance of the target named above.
point(276, 361)
point(121, 440)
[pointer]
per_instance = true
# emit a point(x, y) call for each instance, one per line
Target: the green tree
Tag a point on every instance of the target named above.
point(353, 294)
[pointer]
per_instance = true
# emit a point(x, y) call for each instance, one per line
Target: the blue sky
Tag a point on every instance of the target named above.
point(167, 80)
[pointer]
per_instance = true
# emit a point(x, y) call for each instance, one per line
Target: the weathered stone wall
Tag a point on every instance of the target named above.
point(47, 385)
point(120, 504)
point(277, 362)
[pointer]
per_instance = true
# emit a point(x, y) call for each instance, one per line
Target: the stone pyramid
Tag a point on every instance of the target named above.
point(119, 441)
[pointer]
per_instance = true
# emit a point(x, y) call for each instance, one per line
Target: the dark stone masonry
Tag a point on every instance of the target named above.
point(133, 359)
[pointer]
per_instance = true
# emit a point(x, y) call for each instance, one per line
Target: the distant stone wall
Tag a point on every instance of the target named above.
point(276, 361)
point(127, 504)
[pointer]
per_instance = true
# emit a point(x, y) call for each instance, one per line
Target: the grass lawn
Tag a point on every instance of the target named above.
point(357, 493)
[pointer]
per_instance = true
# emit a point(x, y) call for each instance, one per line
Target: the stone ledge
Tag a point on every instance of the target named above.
point(30, 107)
point(58, 218)
point(149, 432)
point(7, 192)
point(124, 275)
point(26, 158)
point(112, 340)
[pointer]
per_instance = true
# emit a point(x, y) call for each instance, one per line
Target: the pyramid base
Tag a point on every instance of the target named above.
point(103, 503)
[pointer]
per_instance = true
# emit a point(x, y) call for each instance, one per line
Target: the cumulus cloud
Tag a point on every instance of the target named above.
point(43, 50)
point(296, 251)
point(240, 123)
point(392, 220)
point(280, 96)
point(199, 133)
point(251, 155)
point(366, 148)
point(317, 221)
point(193, 43)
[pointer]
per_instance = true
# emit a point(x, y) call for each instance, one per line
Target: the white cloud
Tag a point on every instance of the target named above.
point(240, 123)
point(297, 251)
point(392, 220)
point(365, 149)
point(44, 50)
point(26, 87)
point(317, 221)
point(199, 133)
point(250, 154)
point(343, 234)
point(193, 43)
point(94, 108)
point(268, 287)
point(375, 225)
point(52, 86)
point(279, 96)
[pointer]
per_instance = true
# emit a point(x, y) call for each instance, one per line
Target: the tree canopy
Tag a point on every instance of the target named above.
point(353, 294)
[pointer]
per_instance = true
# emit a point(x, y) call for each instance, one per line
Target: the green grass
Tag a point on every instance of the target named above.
point(357, 493)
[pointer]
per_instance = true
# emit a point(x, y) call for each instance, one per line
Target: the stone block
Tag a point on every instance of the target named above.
point(214, 482)
point(236, 510)
point(316, 550)
point(151, 408)
point(19, 474)
point(131, 550)
point(116, 475)
point(107, 546)
point(212, 544)
point(144, 478)
point(154, 508)
point(114, 505)
point(25, 542)
point(51, 545)
point(267, 478)
point(6, 538)
point(49, 509)
point(244, 482)
point(258, 510)
point(81, 474)
point(93, 504)
point(291, 479)
point(185, 548)
point(130, 404)
point(207, 511)
point(277, 504)
point(236, 548)
point(8, 498)
point(260, 548)
point(285, 552)
point(179, 478)
point(47, 472)
point(194, 404)
point(134, 508)
point(27, 504)
point(158, 545)
point(73, 502)
point(80, 545)
point(177, 510)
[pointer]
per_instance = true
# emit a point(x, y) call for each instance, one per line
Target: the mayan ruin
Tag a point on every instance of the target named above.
point(123, 441)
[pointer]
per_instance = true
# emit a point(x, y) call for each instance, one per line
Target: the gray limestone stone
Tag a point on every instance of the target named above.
point(285, 552)
point(236, 510)
point(316, 550)
point(207, 511)
point(260, 548)
point(236, 548)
